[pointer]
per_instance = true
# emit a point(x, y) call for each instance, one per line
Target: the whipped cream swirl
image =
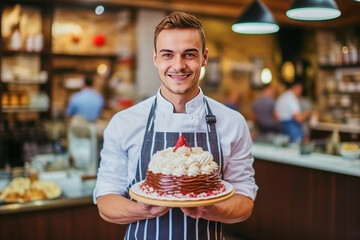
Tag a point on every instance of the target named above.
point(184, 161)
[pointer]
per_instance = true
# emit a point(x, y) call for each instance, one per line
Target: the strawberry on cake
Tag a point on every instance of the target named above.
point(182, 172)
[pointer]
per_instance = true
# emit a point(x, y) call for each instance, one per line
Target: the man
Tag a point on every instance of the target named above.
point(264, 112)
point(289, 113)
point(87, 103)
point(179, 107)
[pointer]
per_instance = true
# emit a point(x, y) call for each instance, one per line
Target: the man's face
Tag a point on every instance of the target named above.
point(179, 58)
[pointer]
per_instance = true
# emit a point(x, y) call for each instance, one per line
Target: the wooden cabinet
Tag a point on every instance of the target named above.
point(67, 222)
point(301, 203)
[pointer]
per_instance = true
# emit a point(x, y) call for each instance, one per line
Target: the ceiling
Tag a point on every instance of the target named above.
point(232, 8)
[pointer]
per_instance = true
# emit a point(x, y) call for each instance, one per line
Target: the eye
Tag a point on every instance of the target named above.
point(190, 55)
point(166, 55)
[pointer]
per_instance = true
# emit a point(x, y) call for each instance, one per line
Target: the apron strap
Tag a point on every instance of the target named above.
point(209, 117)
point(211, 120)
point(151, 118)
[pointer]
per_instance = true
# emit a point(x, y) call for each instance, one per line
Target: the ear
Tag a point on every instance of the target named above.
point(205, 57)
point(154, 57)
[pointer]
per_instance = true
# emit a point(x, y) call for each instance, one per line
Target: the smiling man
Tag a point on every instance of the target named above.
point(179, 107)
point(179, 55)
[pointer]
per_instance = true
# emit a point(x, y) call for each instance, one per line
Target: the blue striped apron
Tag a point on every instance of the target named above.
point(174, 224)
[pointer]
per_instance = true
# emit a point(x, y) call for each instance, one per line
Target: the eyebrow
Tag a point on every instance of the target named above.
point(187, 50)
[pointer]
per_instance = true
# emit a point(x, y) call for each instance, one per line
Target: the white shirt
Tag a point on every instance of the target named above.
point(123, 138)
point(287, 105)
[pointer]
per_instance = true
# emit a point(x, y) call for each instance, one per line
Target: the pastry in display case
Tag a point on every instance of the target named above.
point(23, 189)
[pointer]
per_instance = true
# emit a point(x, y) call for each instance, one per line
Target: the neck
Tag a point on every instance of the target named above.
point(179, 100)
point(179, 105)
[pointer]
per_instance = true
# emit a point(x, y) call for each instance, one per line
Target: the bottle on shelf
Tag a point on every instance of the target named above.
point(15, 39)
point(5, 99)
point(354, 54)
point(29, 46)
point(332, 146)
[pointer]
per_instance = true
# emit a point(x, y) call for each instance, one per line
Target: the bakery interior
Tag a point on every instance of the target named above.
point(307, 190)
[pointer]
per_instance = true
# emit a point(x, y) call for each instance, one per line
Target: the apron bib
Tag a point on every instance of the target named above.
point(175, 225)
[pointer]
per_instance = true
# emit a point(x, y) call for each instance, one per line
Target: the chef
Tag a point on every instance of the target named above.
point(179, 107)
point(289, 113)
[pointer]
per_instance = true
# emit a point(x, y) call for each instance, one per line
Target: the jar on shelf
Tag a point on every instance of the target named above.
point(29, 45)
point(15, 39)
point(38, 42)
point(5, 99)
point(24, 99)
point(13, 99)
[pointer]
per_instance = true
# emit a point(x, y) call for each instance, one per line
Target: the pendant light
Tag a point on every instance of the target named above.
point(313, 10)
point(256, 19)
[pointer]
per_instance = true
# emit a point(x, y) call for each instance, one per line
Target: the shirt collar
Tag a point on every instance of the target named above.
point(191, 106)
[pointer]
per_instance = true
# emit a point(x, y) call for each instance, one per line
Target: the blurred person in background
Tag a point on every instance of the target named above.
point(88, 103)
point(233, 100)
point(264, 113)
point(288, 111)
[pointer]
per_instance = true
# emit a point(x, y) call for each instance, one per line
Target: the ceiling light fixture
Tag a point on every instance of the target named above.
point(99, 10)
point(313, 10)
point(256, 19)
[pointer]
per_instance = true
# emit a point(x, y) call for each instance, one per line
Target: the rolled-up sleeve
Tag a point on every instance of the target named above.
point(112, 172)
point(239, 169)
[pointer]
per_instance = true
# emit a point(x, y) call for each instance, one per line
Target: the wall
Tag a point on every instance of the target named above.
point(236, 52)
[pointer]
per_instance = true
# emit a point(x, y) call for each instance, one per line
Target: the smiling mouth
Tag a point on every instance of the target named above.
point(179, 76)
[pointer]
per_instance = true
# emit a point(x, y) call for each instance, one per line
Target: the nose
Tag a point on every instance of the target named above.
point(179, 63)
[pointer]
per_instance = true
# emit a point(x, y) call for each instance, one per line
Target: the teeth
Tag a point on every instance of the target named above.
point(178, 75)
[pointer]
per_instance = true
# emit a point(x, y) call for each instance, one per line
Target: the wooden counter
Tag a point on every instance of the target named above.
point(302, 202)
point(69, 219)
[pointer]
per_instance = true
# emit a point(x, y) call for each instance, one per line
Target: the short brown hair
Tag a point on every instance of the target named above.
point(180, 20)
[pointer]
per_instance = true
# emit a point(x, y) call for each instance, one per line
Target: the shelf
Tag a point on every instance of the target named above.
point(64, 55)
point(335, 126)
point(22, 109)
point(343, 92)
point(24, 82)
point(333, 67)
point(340, 107)
point(10, 53)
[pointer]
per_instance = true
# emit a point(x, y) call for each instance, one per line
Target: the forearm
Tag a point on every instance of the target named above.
point(302, 116)
point(235, 209)
point(117, 209)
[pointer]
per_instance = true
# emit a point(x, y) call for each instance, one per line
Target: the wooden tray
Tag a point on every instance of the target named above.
point(180, 203)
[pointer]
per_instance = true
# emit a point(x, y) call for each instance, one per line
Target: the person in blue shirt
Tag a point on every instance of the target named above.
point(87, 103)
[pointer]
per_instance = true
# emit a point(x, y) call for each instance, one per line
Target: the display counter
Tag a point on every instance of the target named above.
point(315, 160)
point(335, 126)
point(73, 215)
point(323, 130)
point(75, 191)
point(313, 196)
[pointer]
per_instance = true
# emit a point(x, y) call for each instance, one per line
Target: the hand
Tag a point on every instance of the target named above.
point(152, 211)
point(195, 212)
